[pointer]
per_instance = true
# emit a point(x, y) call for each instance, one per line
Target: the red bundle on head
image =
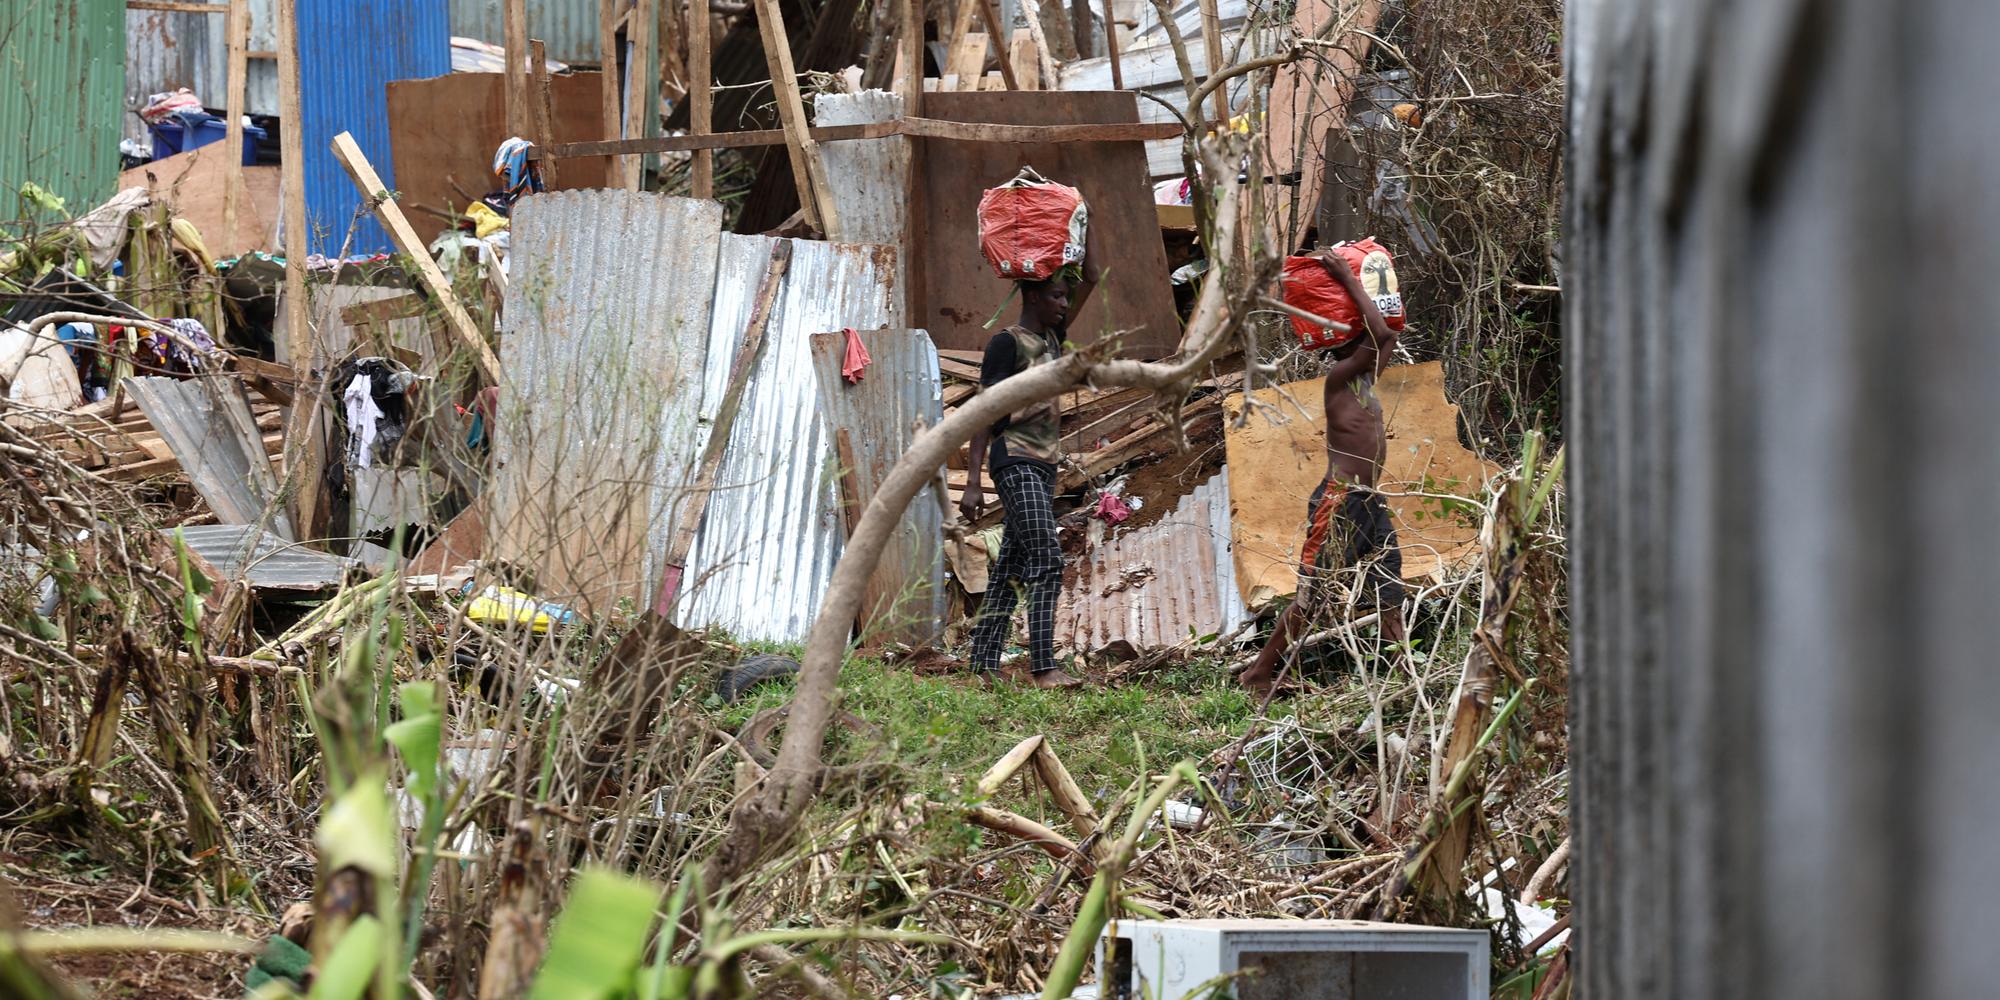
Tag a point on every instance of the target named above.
point(1309, 286)
point(1030, 228)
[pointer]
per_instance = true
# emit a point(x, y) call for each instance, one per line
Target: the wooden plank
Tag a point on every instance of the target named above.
point(808, 170)
point(542, 103)
point(912, 85)
point(965, 60)
point(1027, 64)
point(1040, 56)
point(457, 319)
point(1111, 45)
point(383, 310)
point(443, 130)
point(926, 128)
point(178, 6)
point(1218, 58)
point(850, 488)
point(233, 103)
point(688, 522)
point(961, 30)
point(514, 28)
point(960, 291)
point(996, 31)
point(303, 466)
point(701, 96)
point(642, 83)
point(608, 94)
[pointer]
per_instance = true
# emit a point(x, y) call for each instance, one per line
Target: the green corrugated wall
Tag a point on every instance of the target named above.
point(62, 83)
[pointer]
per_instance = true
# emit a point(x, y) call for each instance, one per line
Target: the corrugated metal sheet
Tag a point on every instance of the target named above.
point(208, 424)
point(569, 27)
point(351, 49)
point(334, 337)
point(872, 197)
point(772, 532)
point(270, 562)
point(61, 74)
point(878, 415)
point(165, 50)
point(1159, 585)
point(606, 338)
point(1153, 70)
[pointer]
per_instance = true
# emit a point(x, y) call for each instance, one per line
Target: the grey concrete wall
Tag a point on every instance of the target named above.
point(1782, 283)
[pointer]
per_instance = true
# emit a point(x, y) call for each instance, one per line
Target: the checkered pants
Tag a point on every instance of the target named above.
point(1028, 553)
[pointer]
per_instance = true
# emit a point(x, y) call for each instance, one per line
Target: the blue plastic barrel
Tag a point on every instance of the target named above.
point(170, 138)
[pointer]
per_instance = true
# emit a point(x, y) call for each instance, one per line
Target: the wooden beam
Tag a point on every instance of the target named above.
point(1031, 12)
point(178, 6)
point(998, 34)
point(406, 306)
point(808, 169)
point(1111, 46)
point(1211, 40)
point(688, 522)
point(237, 35)
point(927, 128)
point(514, 28)
point(607, 54)
point(642, 81)
point(701, 95)
point(911, 83)
point(406, 239)
point(304, 457)
point(544, 104)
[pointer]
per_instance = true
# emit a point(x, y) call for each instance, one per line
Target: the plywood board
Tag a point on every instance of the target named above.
point(960, 292)
point(193, 183)
point(443, 131)
point(1278, 457)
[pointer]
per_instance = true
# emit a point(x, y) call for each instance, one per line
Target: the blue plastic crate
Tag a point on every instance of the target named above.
point(170, 138)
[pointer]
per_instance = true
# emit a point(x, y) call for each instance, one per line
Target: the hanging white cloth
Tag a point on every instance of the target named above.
point(362, 415)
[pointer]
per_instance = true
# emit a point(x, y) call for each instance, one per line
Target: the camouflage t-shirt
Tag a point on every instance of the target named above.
point(1030, 435)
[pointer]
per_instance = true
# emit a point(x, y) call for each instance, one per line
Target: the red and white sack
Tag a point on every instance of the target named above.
point(1309, 286)
point(1030, 228)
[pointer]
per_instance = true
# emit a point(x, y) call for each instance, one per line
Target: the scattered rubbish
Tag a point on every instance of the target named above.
point(498, 605)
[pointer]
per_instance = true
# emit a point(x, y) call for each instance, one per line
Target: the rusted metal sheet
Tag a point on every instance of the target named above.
point(1168, 583)
point(208, 424)
point(872, 423)
point(605, 348)
point(61, 74)
point(262, 559)
point(768, 543)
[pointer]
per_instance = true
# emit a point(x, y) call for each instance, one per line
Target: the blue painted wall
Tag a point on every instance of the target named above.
point(349, 51)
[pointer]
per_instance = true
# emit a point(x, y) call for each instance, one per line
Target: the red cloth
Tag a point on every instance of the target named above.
point(1111, 508)
point(1030, 228)
point(1309, 286)
point(856, 359)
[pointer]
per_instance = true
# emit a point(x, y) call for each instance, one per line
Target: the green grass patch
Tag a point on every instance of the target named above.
point(945, 727)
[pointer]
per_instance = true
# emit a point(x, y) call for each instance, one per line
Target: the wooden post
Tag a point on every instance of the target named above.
point(363, 173)
point(1211, 40)
point(543, 106)
point(998, 35)
point(238, 32)
point(1111, 44)
point(607, 53)
point(911, 85)
point(514, 26)
point(701, 93)
point(808, 170)
point(304, 459)
point(642, 83)
point(1080, 18)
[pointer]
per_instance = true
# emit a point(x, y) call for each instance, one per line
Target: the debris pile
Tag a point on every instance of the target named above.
point(404, 507)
